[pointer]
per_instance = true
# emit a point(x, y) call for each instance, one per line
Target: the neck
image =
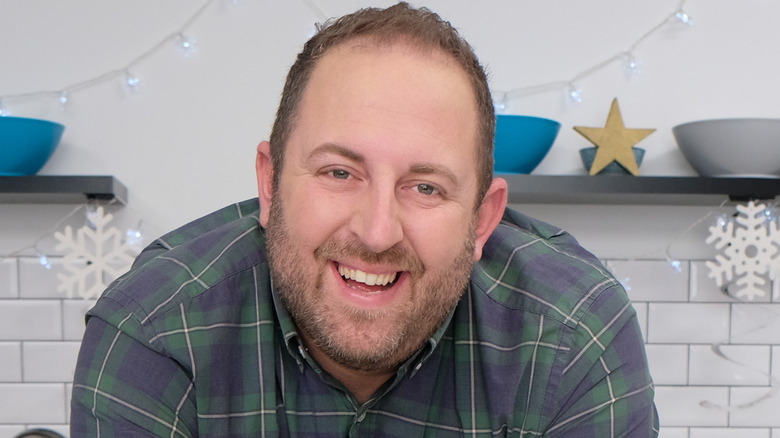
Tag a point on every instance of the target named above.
point(361, 384)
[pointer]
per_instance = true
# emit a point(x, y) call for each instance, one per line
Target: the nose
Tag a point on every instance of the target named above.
point(376, 220)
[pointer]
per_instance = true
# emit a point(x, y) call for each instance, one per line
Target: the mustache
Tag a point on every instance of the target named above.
point(395, 256)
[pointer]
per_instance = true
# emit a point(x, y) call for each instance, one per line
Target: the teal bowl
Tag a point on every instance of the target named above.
point(26, 144)
point(522, 142)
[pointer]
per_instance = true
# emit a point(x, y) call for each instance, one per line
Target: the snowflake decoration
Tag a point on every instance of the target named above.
point(749, 249)
point(94, 256)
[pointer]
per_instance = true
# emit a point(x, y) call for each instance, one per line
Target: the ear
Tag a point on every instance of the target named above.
point(265, 174)
point(489, 214)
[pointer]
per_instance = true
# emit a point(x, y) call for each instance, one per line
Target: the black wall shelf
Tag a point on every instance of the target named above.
point(523, 189)
point(51, 189)
point(637, 190)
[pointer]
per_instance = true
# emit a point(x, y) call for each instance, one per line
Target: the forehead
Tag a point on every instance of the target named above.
point(358, 79)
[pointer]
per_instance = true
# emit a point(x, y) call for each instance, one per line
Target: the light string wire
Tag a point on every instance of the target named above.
point(64, 94)
point(666, 251)
point(772, 318)
point(43, 258)
point(717, 347)
point(317, 10)
point(502, 97)
point(133, 237)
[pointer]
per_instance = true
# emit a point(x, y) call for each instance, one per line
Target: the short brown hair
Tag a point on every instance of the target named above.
point(400, 22)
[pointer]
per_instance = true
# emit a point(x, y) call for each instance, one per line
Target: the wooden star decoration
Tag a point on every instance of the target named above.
point(614, 142)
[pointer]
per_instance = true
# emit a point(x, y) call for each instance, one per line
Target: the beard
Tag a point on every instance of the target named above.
point(365, 340)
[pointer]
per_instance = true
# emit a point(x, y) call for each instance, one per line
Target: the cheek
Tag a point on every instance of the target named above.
point(311, 219)
point(437, 241)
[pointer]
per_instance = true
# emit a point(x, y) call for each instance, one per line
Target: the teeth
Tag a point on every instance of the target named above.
point(369, 279)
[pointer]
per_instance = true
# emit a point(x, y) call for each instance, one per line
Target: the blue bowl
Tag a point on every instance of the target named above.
point(26, 144)
point(522, 142)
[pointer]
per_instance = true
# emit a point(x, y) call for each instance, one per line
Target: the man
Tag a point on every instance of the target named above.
point(380, 287)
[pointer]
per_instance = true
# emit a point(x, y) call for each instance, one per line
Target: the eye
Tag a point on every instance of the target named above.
point(339, 174)
point(426, 189)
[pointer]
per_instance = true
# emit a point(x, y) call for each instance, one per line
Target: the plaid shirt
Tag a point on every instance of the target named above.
point(193, 342)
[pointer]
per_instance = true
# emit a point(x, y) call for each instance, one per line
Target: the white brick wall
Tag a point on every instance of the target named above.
point(682, 314)
point(685, 319)
point(40, 332)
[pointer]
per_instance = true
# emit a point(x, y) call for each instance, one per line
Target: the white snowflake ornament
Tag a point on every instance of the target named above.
point(749, 248)
point(94, 256)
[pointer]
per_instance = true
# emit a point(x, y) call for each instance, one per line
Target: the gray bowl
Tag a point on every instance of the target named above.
point(731, 147)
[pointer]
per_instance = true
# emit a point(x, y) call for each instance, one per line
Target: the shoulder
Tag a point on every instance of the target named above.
point(202, 256)
point(532, 266)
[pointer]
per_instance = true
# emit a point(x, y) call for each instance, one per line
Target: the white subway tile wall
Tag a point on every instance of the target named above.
point(712, 357)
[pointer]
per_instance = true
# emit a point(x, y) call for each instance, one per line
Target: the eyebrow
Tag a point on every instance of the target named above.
point(418, 168)
point(434, 169)
point(332, 148)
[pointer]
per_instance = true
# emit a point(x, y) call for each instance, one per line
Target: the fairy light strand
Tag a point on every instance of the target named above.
point(179, 37)
point(133, 236)
point(575, 93)
point(133, 82)
point(188, 47)
point(317, 10)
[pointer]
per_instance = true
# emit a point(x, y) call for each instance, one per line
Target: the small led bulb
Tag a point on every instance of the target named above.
point(499, 103)
point(187, 46)
point(133, 83)
point(575, 94)
point(632, 65)
point(684, 17)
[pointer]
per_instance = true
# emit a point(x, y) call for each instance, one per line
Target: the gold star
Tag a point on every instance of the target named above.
point(614, 141)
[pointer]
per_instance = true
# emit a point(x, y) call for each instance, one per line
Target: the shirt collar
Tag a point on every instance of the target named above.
point(289, 333)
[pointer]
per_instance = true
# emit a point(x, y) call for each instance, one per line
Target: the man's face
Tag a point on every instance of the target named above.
point(372, 230)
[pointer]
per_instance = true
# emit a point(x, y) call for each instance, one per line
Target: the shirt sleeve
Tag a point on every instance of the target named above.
point(606, 389)
point(123, 387)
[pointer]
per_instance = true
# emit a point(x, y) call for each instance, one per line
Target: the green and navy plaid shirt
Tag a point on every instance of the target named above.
point(193, 342)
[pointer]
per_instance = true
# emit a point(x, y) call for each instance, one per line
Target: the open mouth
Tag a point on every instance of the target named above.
point(367, 282)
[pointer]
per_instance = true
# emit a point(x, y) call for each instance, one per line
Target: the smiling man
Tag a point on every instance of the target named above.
point(378, 286)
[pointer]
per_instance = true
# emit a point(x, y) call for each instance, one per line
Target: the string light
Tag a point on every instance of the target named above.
point(675, 264)
point(43, 260)
point(723, 220)
point(188, 47)
point(90, 214)
point(632, 65)
point(684, 17)
point(499, 103)
point(134, 237)
point(132, 81)
point(575, 94)
point(64, 100)
point(770, 214)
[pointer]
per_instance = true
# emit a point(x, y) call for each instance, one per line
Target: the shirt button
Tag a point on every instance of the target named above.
point(361, 418)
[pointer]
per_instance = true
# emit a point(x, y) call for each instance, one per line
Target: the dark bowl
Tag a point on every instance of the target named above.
point(614, 168)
